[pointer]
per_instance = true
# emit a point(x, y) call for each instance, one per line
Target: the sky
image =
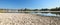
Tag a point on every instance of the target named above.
point(16, 4)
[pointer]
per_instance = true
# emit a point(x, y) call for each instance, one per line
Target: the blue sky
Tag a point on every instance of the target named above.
point(29, 3)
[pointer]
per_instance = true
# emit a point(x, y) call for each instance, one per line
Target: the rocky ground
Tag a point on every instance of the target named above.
point(27, 19)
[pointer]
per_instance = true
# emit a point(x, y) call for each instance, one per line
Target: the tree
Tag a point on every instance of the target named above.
point(55, 9)
point(44, 9)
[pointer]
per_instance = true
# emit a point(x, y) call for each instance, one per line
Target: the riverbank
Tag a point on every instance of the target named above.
point(27, 19)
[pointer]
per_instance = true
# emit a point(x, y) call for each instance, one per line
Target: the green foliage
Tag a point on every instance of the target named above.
point(25, 9)
point(44, 9)
point(55, 9)
point(35, 10)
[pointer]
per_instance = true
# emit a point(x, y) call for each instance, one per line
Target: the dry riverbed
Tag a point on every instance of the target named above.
point(27, 19)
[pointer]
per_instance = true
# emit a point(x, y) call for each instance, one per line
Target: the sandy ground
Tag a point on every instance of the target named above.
point(26, 19)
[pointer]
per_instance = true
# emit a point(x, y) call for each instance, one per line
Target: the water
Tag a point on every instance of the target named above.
point(47, 13)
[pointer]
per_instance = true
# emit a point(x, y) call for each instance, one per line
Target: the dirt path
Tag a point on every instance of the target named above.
point(26, 19)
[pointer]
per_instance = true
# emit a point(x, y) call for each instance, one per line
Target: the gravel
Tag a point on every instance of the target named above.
point(27, 19)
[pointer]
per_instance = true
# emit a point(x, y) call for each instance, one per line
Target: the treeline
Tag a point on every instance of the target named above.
point(42, 9)
point(55, 9)
point(46, 9)
point(27, 9)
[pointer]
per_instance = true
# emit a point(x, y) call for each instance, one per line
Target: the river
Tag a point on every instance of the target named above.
point(47, 13)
